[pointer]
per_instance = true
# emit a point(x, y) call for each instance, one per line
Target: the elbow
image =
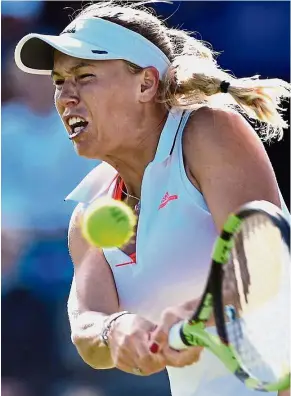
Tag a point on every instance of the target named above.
point(84, 347)
point(77, 339)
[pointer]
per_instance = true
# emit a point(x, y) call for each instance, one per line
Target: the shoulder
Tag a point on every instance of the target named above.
point(210, 123)
point(220, 136)
point(225, 158)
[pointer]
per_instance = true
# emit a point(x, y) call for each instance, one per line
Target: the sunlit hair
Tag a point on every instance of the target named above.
point(194, 77)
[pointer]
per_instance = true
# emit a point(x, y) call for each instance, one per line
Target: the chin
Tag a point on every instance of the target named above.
point(84, 149)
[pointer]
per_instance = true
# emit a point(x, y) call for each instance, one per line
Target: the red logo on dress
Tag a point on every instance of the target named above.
point(132, 262)
point(166, 199)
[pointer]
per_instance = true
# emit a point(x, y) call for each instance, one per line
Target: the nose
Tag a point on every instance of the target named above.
point(67, 96)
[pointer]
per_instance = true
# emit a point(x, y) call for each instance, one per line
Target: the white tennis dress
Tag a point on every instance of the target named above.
point(174, 243)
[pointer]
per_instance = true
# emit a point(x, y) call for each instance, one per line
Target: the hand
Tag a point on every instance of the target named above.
point(159, 337)
point(129, 346)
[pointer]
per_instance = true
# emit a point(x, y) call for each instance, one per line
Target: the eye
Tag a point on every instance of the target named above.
point(58, 83)
point(86, 75)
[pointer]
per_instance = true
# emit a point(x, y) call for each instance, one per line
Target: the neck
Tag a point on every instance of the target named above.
point(132, 163)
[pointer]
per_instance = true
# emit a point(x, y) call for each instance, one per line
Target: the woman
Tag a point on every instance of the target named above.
point(140, 97)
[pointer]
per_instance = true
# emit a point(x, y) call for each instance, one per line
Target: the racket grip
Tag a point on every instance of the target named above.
point(175, 338)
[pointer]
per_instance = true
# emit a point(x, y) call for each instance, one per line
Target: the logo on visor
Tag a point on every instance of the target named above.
point(73, 29)
point(99, 52)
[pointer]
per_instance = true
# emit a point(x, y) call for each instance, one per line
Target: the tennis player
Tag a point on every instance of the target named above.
point(154, 106)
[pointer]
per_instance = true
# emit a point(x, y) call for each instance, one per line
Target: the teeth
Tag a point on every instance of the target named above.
point(75, 120)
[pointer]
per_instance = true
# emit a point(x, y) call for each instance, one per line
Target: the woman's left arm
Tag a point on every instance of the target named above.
point(227, 162)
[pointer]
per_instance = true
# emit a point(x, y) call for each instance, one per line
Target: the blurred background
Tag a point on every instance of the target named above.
point(39, 168)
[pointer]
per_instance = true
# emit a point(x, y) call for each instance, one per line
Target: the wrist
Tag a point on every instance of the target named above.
point(107, 326)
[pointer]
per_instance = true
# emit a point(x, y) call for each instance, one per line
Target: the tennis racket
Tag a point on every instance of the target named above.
point(247, 298)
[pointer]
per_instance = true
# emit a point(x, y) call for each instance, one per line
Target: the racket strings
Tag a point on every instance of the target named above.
point(256, 286)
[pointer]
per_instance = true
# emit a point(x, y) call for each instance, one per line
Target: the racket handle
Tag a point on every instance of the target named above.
point(175, 338)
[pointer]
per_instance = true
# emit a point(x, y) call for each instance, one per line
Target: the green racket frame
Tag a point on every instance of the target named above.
point(192, 332)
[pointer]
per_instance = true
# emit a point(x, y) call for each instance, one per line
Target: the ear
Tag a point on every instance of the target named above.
point(149, 84)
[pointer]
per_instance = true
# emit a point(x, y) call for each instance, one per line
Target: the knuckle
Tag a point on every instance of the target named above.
point(160, 334)
point(171, 316)
point(168, 314)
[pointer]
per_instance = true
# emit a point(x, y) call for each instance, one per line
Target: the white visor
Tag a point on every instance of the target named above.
point(89, 38)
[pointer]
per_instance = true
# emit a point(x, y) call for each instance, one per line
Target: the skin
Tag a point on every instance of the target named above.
point(125, 123)
point(120, 109)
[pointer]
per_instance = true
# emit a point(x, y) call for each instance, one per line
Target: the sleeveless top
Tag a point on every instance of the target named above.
point(174, 242)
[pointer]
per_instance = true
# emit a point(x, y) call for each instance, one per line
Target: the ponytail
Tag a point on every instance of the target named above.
point(194, 79)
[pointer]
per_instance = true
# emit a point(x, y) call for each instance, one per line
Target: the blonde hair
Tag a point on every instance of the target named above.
point(194, 77)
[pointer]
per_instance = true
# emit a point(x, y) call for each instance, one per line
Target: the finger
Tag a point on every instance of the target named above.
point(127, 359)
point(132, 368)
point(138, 367)
point(124, 354)
point(181, 358)
point(147, 361)
point(134, 354)
point(159, 337)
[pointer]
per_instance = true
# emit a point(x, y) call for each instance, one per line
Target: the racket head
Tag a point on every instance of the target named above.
point(250, 297)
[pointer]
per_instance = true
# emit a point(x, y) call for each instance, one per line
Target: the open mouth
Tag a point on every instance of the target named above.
point(77, 126)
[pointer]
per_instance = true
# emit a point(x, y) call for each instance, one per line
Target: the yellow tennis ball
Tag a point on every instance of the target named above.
point(108, 223)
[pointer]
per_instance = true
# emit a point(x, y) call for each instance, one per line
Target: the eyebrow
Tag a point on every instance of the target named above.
point(72, 69)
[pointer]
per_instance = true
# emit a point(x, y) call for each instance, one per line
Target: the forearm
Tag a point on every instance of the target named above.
point(86, 329)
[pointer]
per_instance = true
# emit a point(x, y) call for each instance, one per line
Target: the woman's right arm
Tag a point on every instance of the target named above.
point(92, 298)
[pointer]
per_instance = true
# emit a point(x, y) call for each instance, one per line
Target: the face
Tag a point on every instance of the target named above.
point(97, 101)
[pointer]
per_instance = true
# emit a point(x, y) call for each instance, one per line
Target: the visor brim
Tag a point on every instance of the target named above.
point(35, 52)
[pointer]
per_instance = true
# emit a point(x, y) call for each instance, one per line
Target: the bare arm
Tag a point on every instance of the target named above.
point(227, 161)
point(92, 297)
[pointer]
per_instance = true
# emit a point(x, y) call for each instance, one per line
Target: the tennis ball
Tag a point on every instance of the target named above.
point(108, 223)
